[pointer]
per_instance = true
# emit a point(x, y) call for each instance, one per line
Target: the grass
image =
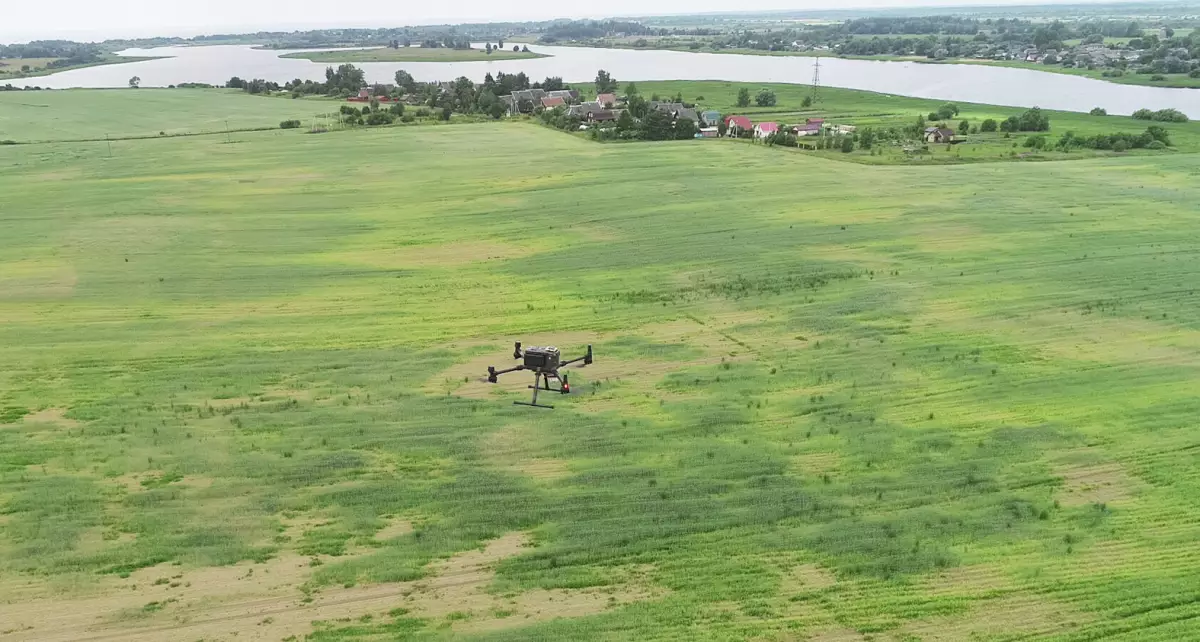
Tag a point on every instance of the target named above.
point(412, 54)
point(10, 68)
point(867, 109)
point(829, 399)
point(95, 114)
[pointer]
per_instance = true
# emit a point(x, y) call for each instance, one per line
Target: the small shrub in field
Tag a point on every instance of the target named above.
point(1099, 111)
point(8, 142)
point(407, 118)
point(1157, 77)
point(422, 113)
point(289, 124)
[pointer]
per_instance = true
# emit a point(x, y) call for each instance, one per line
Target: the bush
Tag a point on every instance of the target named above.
point(380, 118)
point(1157, 78)
point(422, 113)
point(1162, 115)
point(1036, 142)
point(1120, 145)
point(407, 118)
point(1195, 73)
point(765, 98)
point(807, 102)
point(1098, 111)
point(847, 144)
point(989, 125)
point(1156, 145)
point(446, 112)
point(290, 124)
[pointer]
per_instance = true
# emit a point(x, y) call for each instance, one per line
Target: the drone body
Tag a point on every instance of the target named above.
point(545, 364)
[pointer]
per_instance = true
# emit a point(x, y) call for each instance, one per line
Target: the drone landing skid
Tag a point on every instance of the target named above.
point(539, 379)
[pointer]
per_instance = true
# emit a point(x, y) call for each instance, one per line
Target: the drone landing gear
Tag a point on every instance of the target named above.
point(540, 379)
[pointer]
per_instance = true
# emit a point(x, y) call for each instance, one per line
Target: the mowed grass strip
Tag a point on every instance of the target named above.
point(830, 399)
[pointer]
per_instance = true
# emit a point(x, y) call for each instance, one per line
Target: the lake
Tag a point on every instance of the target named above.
point(966, 83)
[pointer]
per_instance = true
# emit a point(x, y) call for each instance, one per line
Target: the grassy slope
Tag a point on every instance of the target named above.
point(918, 360)
point(411, 54)
point(866, 109)
point(91, 114)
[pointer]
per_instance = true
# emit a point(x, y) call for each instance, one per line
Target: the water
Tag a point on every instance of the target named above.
point(966, 83)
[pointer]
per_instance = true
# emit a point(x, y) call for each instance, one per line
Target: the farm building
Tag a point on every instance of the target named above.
point(762, 130)
point(552, 102)
point(939, 135)
point(737, 125)
point(808, 129)
point(709, 132)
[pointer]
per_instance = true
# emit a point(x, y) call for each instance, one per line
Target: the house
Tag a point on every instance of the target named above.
point(534, 96)
point(568, 95)
point(844, 129)
point(607, 100)
point(939, 135)
point(762, 130)
point(603, 116)
point(552, 102)
point(808, 129)
point(737, 125)
point(582, 111)
point(709, 132)
point(710, 118)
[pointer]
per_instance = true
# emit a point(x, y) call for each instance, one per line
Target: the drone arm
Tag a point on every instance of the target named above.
point(494, 374)
point(586, 359)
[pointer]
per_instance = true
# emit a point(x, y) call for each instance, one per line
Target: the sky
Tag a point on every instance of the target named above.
point(100, 19)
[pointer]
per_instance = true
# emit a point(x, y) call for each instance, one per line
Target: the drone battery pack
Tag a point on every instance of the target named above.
point(542, 359)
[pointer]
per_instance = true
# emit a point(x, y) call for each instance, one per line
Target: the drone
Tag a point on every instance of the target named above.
point(545, 364)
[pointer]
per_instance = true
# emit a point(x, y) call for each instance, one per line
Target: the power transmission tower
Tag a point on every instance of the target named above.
point(816, 83)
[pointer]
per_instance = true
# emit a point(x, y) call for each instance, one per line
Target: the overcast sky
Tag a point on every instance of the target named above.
point(22, 20)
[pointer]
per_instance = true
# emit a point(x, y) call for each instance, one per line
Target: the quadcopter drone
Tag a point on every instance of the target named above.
point(545, 364)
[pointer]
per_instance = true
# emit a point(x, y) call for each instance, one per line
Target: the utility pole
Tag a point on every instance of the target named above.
point(227, 140)
point(109, 141)
point(816, 82)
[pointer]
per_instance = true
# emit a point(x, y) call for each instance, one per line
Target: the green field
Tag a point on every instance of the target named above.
point(412, 54)
point(27, 116)
point(867, 109)
point(10, 68)
point(242, 391)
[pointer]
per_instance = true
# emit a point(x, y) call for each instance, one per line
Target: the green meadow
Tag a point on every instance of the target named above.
point(72, 115)
point(242, 392)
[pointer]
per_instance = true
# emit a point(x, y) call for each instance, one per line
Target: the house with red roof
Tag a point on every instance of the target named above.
point(551, 103)
point(607, 100)
point(735, 126)
point(762, 130)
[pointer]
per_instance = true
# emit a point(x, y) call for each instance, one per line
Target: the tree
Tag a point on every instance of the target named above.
point(374, 104)
point(988, 125)
point(657, 125)
point(1036, 142)
point(765, 98)
point(631, 90)
point(135, 82)
point(964, 127)
point(625, 121)
point(637, 106)
point(445, 115)
point(807, 102)
point(847, 144)
point(397, 109)
point(605, 83)
point(1098, 111)
point(867, 139)
point(489, 48)
point(743, 98)
point(497, 110)
point(500, 44)
point(685, 129)
point(236, 83)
